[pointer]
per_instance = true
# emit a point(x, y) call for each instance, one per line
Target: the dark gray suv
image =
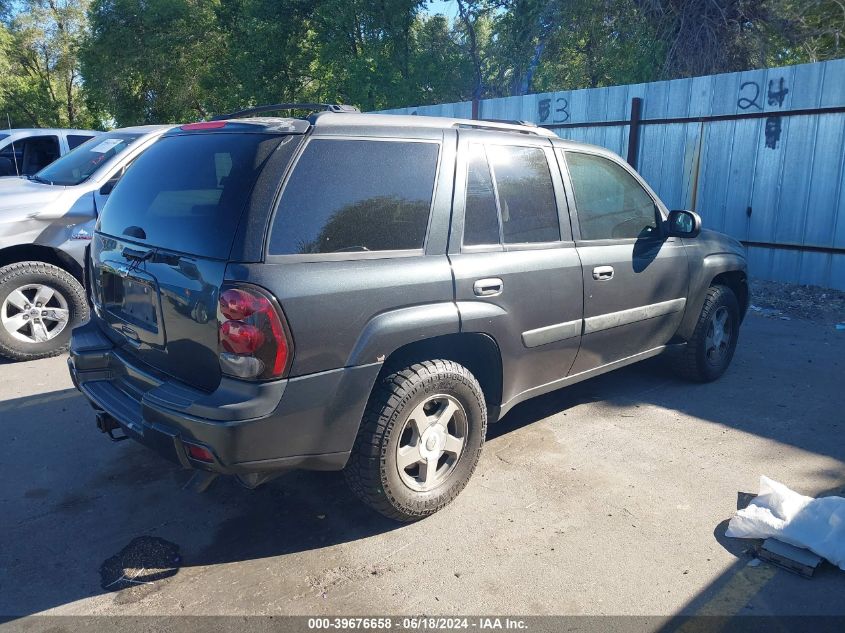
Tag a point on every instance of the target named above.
point(364, 292)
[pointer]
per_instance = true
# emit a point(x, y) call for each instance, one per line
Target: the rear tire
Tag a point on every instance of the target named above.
point(25, 335)
point(710, 350)
point(420, 440)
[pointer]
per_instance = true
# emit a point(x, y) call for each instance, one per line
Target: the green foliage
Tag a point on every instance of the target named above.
point(581, 43)
point(148, 61)
point(124, 62)
point(816, 31)
point(40, 82)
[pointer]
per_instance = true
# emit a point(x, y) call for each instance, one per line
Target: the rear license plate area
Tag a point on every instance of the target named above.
point(131, 299)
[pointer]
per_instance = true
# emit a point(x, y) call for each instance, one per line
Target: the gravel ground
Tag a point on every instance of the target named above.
point(813, 303)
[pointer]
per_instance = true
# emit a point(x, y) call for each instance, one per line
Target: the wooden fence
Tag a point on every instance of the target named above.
point(759, 154)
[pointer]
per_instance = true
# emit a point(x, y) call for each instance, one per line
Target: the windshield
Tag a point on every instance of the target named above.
point(2, 136)
point(80, 164)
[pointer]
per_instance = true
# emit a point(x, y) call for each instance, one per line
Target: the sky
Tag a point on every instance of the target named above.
point(449, 8)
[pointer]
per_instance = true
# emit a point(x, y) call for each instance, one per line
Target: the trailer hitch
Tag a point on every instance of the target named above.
point(109, 425)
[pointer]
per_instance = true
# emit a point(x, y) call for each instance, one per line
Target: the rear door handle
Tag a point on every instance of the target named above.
point(603, 273)
point(490, 287)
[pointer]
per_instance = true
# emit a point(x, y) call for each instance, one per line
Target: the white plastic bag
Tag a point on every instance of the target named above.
point(778, 512)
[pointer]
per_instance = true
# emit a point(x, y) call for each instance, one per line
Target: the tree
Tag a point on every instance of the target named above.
point(41, 84)
point(473, 14)
point(364, 51)
point(267, 54)
point(522, 30)
point(150, 61)
point(440, 71)
point(599, 44)
point(805, 31)
point(703, 37)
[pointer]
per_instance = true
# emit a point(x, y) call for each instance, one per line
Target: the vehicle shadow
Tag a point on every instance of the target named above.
point(71, 514)
point(81, 505)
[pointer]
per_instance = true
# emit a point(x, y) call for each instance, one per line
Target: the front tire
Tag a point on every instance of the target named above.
point(419, 441)
point(39, 306)
point(710, 350)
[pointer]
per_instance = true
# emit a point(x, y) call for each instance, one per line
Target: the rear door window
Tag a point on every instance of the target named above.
point(481, 218)
point(347, 196)
point(186, 193)
point(37, 153)
point(526, 194)
point(75, 140)
point(510, 196)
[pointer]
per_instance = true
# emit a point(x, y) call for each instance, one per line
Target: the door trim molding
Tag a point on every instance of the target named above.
point(571, 329)
point(552, 333)
point(632, 315)
point(584, 375)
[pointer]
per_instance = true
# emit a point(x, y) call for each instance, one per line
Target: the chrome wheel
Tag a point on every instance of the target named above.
point(34, 313)
point(717, 342)
point(431, 442)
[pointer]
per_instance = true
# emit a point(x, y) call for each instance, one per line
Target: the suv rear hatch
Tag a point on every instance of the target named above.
point(164, 238)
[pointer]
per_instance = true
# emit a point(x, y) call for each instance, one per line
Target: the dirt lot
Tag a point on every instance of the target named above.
point(610, 497)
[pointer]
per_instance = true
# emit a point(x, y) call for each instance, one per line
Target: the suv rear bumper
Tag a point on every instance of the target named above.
point(304, 422)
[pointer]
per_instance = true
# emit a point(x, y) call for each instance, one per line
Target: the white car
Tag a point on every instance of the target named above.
point(24, 152)
point(46, 221)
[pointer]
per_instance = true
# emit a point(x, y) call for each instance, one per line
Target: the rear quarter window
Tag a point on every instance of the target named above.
point(356, 196)
point(187, 193)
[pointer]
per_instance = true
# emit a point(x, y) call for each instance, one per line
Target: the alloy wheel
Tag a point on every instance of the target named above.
point(718, 339)
point(431, 442)
point(34, 313)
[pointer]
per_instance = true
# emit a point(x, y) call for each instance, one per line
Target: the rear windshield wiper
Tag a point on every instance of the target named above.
point(141, 256)
point(137, 257)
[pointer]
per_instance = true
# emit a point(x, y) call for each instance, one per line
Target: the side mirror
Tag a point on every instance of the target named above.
point(683, 224)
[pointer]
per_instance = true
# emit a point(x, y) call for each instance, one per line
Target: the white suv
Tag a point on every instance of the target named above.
point(24, 152)
point(46, 221)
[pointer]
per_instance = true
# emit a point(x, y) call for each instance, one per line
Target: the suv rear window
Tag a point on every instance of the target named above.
point(356, 196)
point(186, 193)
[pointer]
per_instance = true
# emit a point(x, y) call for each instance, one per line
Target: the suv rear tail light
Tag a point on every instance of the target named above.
point(253, 339)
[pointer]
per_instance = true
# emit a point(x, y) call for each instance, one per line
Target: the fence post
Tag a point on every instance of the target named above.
point(634, 131)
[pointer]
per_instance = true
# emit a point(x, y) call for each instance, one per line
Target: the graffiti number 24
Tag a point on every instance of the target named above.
point(749, 94)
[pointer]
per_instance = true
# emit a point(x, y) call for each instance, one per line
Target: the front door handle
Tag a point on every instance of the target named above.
point(490, 287)
point(603, 273)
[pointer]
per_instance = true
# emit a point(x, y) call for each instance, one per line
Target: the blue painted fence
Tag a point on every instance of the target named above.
point(759, 154)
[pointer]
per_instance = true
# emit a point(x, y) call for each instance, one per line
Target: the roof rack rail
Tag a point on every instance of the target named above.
point(509, 122)
point(312, 107)
point(505, 126)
